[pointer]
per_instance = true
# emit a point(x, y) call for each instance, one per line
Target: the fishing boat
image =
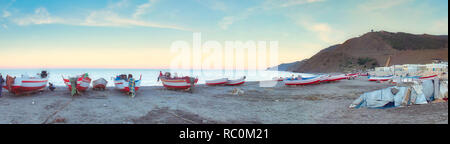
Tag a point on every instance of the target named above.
point(303, 81)
point(236, 82)
point(332, 78)
point(99, 84)
point(25, 83)
point(121, 83)
point(83, 82)
point(428, 77)
point(181, 83)
point(216, 81)
point(380, 78)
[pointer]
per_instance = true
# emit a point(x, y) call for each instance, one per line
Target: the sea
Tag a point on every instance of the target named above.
point(149, 76)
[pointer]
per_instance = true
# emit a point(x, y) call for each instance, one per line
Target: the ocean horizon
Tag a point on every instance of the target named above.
point(149, 76)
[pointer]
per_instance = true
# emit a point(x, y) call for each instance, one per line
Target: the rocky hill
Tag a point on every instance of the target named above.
point(373, 48)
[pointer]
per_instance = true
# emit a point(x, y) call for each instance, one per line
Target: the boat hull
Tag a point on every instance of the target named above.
point(23, 85)
point(123, 85)
point(380, 78)
point(82, 84)
point(309, 81)
point(99, 84)
point(180, 83)
point(428, 77)
point(235, 82)
point(216, 82)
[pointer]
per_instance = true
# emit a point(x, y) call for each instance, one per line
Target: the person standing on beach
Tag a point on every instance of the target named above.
point(131, 86)
point(1, 84)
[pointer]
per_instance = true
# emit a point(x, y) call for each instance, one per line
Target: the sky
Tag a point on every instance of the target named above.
point(139, 33)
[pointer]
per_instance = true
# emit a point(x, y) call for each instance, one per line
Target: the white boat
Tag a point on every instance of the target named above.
point(380, 78)
point(216, 81)
point(26, 83)
point(332, 78)
point(122, 84)
point(99, 83)
point(236, 82)
point(303, 81)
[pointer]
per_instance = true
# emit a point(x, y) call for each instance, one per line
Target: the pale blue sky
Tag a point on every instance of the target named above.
point(302, 27)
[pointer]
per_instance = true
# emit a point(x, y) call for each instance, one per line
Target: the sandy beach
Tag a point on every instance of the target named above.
point(313, 104)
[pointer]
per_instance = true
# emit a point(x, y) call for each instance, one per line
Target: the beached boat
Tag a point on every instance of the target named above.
point(99, 84)
point(216, 81)
point(380, 78)
point(236, 82)
point(182, 83)
point(428, 77)
point(303, 81)
point(332, 78)
point(83, 82)
point(26, 83)
point(121, 83)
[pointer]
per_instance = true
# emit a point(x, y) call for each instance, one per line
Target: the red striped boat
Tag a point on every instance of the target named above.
point(332, 78)
point(303, 81)
point(25, 83)
point(381, 78)
point(236, 82)
point(216, 82)
point(99, 84)
point(122, 84)
point(83, 83)
point(428, 77)
point(179, 82)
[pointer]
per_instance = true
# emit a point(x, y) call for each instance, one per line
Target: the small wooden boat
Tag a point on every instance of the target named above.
point(303, 81)
point(121, 83)
point(26, 83)
point(83, 82)
point(380, 78)
point(428, 77)
point(236, 82)
point(99, 84)
point(216, 81)
point(182, 83)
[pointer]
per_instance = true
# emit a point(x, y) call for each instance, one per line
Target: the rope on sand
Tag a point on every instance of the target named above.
point(190, 121)
point(54, 113)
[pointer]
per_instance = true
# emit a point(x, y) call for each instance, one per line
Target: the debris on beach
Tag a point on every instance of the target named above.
point(420, 92)
point(237, 91)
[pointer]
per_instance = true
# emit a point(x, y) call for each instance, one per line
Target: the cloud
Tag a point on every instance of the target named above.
point(111, 19)
point(6, 14)
point(229, 20)
point(374, 5)
point(287, 3)
point(323, 31)
point(40, 16)
point(101, 18)
point(4, 26)
point(142, 9)
point(214, 4)
point(266, 5)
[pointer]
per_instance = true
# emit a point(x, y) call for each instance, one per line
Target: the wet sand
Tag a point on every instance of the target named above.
point(313, 104)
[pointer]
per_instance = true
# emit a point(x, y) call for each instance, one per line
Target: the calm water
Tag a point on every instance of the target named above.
point(149, 76)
